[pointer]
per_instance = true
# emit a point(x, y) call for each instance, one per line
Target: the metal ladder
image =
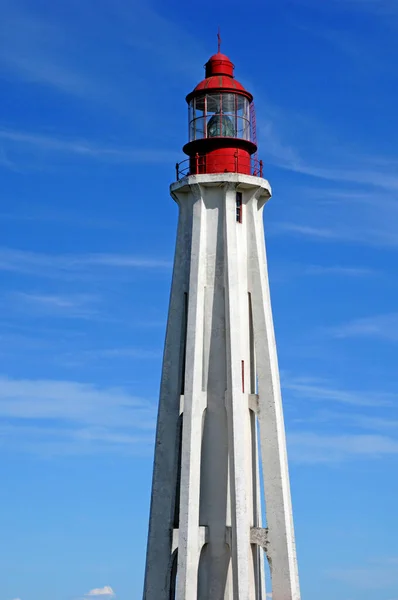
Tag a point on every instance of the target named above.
point(253, 128)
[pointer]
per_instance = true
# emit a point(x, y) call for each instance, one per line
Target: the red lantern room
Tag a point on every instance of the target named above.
point(222, 136)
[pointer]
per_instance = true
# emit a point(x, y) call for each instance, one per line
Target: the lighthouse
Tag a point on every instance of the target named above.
point(221, 501)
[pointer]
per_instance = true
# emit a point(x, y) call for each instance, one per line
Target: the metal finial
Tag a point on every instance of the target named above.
point(219, 40)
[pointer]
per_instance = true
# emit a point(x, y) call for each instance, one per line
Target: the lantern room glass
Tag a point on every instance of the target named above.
point(219, 115)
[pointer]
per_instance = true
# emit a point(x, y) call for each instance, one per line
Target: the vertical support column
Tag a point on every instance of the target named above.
point(164, 484)
point(236, 408)
point(190, 541)
point(282, 549)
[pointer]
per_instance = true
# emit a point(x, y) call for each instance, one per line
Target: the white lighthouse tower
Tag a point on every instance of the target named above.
point(220, 421)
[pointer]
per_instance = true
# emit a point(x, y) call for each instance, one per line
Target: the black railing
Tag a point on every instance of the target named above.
point(198, 165)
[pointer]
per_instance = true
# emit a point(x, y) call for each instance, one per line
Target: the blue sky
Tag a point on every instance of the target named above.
point(92, 120)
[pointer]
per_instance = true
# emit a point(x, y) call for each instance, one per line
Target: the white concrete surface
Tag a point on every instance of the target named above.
point(213, 518)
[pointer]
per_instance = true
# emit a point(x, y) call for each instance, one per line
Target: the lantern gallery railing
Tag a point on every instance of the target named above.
point(198, 164)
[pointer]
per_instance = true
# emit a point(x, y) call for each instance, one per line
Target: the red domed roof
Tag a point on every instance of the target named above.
point(219, 64)
point(219, 56)
point(220, 82)
point(219, 76)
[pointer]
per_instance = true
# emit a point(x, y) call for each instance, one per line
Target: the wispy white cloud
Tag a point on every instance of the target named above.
point(382, 8)
point(47, 441)
point(285, 272)
point(338, 164)
point(278, 149)
point(322, 445)
point(55, 301)
point(72, 265)
point(384, 327)
point(105, 591)
point(72, 401)
point(5, 161)
point(353, 194)
point(314, 448)
point(72, 417)
point(78, 358)
point(339, 271)
point(34, 49)
point(46, 213)
point(36, 142)
point(123, 352)
point(353, 421)
point(124, 261)
point(72, 305)
point(352, 42)
point(355, 197)
point(378, 574)
point(321, 391)
point(375, 423)
point(351, 232)
point(339, 432)
point(308, 231)
point(135, 22)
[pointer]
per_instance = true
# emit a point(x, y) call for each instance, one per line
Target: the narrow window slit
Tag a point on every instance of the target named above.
point(239, 207)
point(173, 576)
point(176, 520)
point(252, 365)
point(184, 340)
